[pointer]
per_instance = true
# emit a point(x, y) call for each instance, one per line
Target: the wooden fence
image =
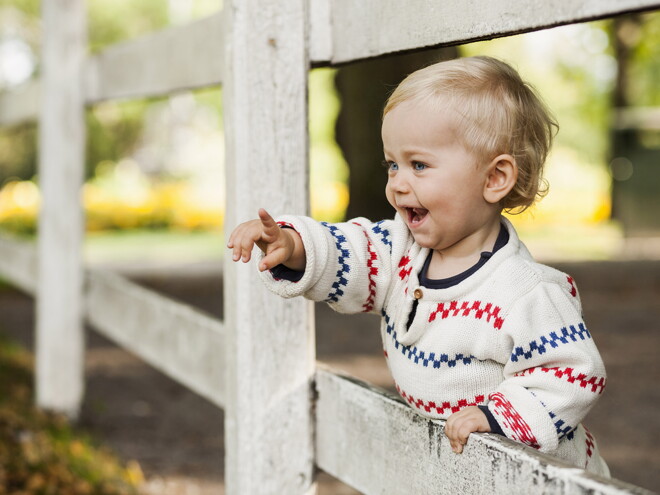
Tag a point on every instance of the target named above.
point(284, 416)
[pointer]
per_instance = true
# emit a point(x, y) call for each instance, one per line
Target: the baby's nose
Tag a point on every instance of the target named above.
point(399, 183)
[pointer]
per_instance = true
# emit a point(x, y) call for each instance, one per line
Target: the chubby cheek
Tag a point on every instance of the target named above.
point(390, 196)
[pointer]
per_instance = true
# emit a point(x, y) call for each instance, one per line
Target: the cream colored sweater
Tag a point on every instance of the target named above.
point(511, 336)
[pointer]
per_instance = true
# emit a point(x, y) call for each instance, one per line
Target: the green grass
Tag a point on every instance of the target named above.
point(40, 453)
point(153, 246)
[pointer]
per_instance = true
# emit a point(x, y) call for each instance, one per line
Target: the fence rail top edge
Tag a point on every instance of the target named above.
point(340, 32)
point(340, 392)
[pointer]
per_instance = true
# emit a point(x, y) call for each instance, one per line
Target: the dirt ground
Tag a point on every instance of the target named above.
point(177, 437)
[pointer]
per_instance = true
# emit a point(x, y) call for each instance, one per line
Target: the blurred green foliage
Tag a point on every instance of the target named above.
point(113, 128)
point(564, 73)
point(644, 64)
point(18, 152)
point(574, 68)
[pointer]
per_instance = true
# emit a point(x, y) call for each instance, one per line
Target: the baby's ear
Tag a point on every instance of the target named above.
point(502, 174)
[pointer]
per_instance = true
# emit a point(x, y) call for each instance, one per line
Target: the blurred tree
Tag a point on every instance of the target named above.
point(112, 21)
point(636, 39)
point(18, 152)
point(113, 131)
point(363, 89)
point(624, 33)
point(113, 128)
point(19, 29)
point(635, 146)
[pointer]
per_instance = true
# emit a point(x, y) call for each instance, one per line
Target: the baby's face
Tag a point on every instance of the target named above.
point(434, 183)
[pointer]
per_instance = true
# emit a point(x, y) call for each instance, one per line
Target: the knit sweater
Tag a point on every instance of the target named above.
point(510, 337)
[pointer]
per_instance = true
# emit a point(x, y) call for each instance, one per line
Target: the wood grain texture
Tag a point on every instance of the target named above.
point(375, 443)
point(60, 338)
point(182, 342)
point(268, 425)
point(341, 31)
point(375, 27)
point(18, 263)
point(170, 60)
point(20, 105)
point(320, 30)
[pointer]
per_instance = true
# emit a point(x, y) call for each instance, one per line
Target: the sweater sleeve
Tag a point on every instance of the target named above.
point(554, 373)
point(348, 265)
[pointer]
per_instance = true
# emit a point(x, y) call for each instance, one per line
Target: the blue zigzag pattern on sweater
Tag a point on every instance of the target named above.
point(384, 234)
point(563, 430)
point(420, 357)
point(570, 334)
point(342, 281)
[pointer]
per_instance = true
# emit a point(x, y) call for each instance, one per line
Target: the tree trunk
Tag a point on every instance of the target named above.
point(363, 88)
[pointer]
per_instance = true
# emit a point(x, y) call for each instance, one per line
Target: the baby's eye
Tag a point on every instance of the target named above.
point(419, 166)
point(389, 165)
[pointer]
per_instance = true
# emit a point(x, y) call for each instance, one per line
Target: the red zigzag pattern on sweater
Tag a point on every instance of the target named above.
point(590, 443)
point(469, 309)
point(373, 271)
point(573, 288)
point(443, 406)
point(512, 421)
point(404, 272)
point(597, 384)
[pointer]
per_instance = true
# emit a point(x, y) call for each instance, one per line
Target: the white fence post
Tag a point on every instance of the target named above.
point(270, 347)
point(60, 338)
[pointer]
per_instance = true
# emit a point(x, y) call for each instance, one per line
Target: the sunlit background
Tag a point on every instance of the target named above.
point(154, 198)
point(155, 168)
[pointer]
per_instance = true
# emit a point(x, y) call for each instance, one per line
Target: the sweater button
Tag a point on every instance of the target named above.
point(417, 293)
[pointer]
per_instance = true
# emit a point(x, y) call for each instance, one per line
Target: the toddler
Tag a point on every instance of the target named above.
point(474, 331)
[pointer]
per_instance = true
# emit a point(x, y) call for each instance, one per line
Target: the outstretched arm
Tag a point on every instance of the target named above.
point(280, 246)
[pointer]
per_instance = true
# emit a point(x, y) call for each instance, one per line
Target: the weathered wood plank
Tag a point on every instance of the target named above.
point(187, 57)
point(20, 105)
point(378, 445)
point(60, 338)
point(183, 343)
point(173, 59)
point(18, 263)
point(375, 27)
point(268, 425)
point(320, 30)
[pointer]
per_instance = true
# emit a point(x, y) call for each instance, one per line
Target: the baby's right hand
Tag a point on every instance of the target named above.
point(277, 244)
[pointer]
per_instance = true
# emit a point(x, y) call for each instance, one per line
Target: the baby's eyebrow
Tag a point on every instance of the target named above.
point(405, 152)
point(412, 152)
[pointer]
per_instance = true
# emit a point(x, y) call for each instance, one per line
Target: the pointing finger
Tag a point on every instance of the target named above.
point(271, 230)
point(266, 219)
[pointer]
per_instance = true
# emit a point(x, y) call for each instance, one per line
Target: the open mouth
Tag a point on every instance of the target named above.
point(416, 215)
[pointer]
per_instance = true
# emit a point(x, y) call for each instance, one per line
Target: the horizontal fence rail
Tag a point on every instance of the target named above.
point(174, 59)
point(341, 31)
point(182, 342)
point(371, 28)
point(18, 263)
point(21, 104)
point(368, 439)
point(378, 445)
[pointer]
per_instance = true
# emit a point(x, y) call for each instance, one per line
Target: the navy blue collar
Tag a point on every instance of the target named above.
point(444, 283)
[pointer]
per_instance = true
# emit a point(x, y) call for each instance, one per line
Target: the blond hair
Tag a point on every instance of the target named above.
point(500, 113)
